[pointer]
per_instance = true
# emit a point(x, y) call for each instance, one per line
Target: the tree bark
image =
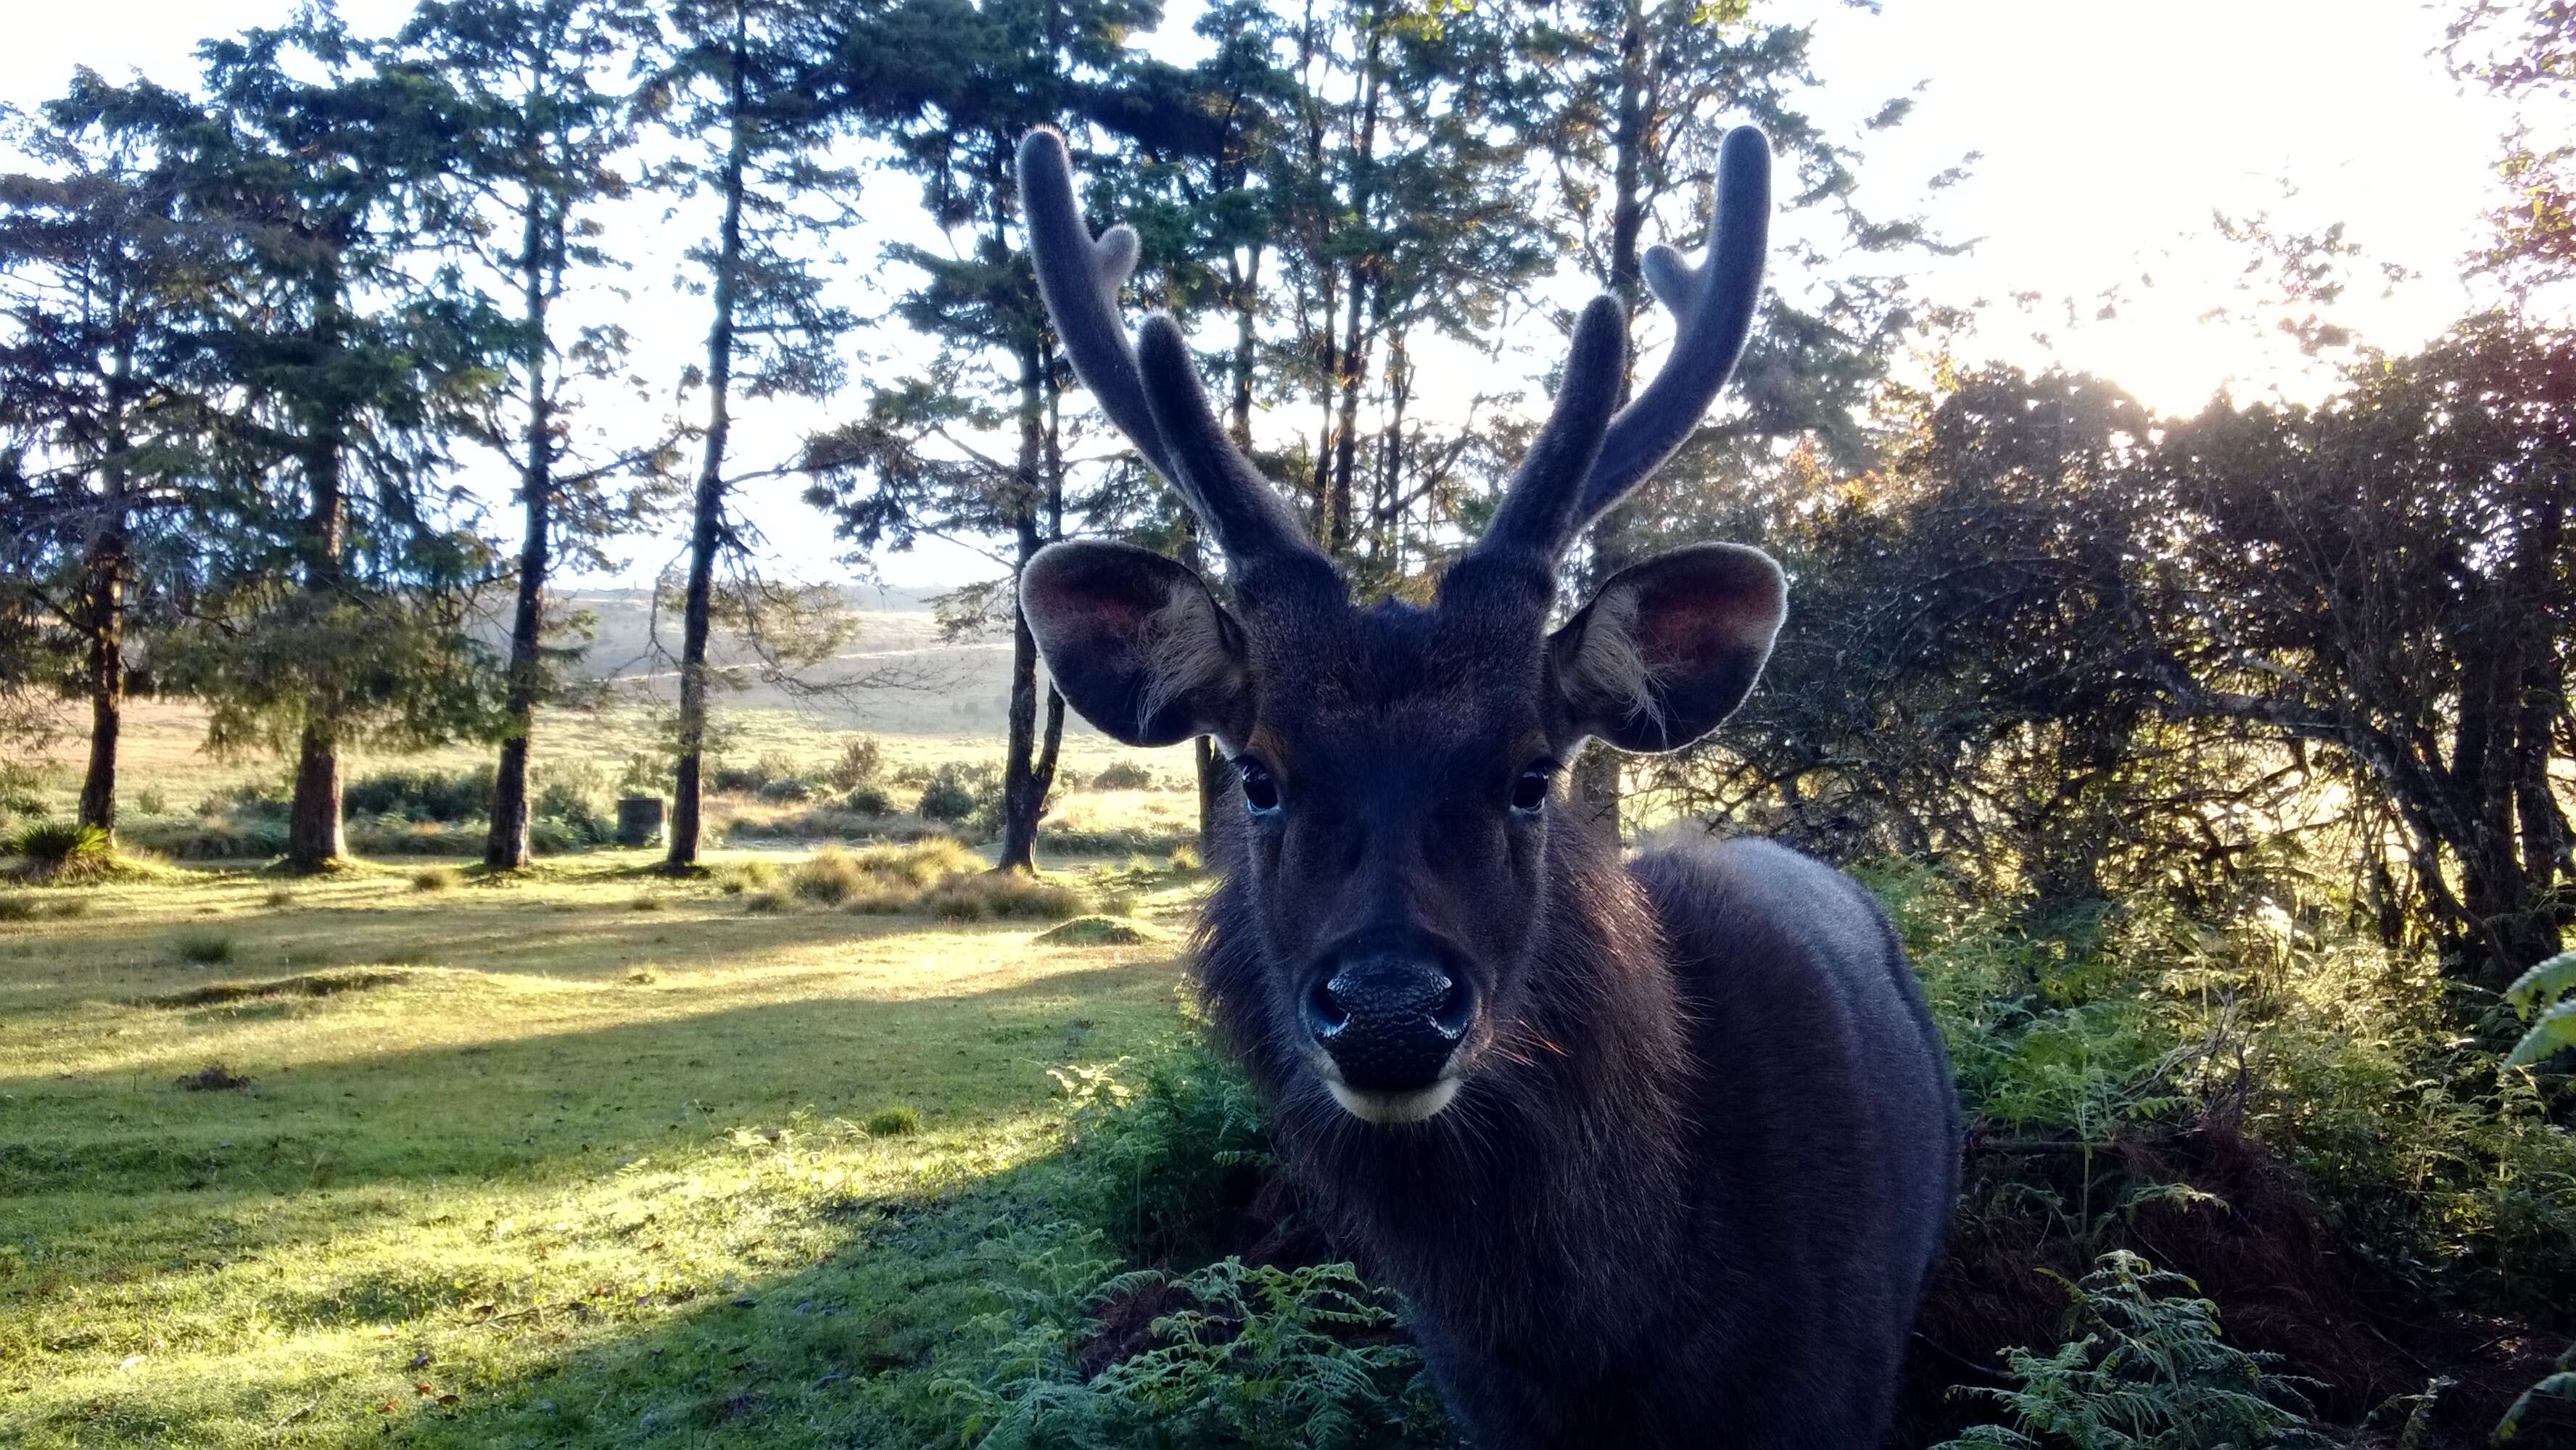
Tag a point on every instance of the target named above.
point(707, 514)
point(1028, 767)
point(1595, 791)
point(506, 847)
point(314, 840)
point(103, 611)
point(106, 673)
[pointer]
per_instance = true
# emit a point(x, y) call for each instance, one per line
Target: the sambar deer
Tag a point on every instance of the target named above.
point(1658, 1152)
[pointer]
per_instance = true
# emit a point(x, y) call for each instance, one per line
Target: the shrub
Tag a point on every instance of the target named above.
point(869, 799)
point(151, 802)
point(765, 902)
point(2149, 1371)
point(246, 798)
point(447, 796)
point(857, 764)
point(895, 1122)
point(787, 789)
point(1123, 775)
point(22, 790)
point(570, 793)
point(435, 879)
point(64, 851)
point(948, 797)
point(736, 780)
point(214, 838)
point(204, 948)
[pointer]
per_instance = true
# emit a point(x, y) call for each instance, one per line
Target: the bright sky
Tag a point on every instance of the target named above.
point(2109, 132)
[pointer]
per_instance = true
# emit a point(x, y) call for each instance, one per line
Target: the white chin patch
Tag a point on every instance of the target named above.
point(1392, 1108)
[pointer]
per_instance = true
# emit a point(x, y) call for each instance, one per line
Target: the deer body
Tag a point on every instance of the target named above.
point(1659, 1152)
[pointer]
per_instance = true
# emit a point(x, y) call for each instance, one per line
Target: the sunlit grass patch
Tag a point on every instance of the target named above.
point(515, 1178)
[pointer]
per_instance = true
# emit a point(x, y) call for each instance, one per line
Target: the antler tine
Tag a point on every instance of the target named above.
point(1537, 512)
point(1712, 306)
point(1168, 418)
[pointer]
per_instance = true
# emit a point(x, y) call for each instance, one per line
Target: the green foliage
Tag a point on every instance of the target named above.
point(894, 1122)
point(949, 796)
point(450, 797)
point(1168, 1148)
point(2549, 991)
point(22, 789)
point(61, 850)
point(2149, 1372)
point(1123, 775)
point(859, 763)
point(2559, 1384)
point(203, 948)
point(869, 799)
point(1254, 1357)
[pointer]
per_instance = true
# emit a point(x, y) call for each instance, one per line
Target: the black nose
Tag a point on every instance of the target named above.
point(1390, 1020)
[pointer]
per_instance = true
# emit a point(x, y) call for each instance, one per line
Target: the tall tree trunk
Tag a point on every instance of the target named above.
point(707, 515)
point(314, 840)
point(1340, 533)
point(104, 585)
point(1595, 788)
point(103, 611)
point(1028, 770)
point(506, 847)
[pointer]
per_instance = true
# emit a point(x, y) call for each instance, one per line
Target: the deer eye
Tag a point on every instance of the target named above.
point(1529, 793)
point(1260, 792)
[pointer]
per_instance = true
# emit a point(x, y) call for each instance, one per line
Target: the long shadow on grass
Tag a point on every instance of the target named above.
point(556, 1109)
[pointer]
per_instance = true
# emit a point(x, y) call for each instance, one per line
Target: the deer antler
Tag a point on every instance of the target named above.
point(1575, 469)
point(1712, 306)
point(1161, 408)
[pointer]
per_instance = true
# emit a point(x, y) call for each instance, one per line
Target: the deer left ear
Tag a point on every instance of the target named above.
point(1670, 647)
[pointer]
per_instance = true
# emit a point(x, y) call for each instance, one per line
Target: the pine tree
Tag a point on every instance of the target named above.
point(545, 137)
point(739, 87)
point(96, 268)
point(337, 591)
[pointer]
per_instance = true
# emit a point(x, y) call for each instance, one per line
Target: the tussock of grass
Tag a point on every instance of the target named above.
point(1097, 931)
point(303, 984)
point(747, 876)
point(204, 948)
point(434, 879)
point(871, 879)
point(17, 906)
point(1004, 896)
point(649, 901)
point(894, 1122)
point(279, 898)
point(214, 1077)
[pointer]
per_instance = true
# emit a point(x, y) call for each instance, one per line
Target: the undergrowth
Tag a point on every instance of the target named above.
point(2144, 1368)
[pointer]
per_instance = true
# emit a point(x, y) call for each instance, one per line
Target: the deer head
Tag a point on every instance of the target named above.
point(1398, 765)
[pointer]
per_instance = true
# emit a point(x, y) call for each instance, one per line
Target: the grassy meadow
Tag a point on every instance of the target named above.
point(585, 1158)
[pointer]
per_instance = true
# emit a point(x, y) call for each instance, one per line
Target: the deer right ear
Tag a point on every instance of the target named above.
point(1135, 643)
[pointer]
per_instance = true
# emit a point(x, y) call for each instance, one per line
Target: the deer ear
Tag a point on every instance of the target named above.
point(1669, 648)
point(1135, 642)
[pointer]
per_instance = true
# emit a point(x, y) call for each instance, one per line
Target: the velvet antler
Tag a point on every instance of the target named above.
point(1160, 407)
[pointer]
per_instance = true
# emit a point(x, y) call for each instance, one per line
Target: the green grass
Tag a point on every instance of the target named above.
point(564, 1174)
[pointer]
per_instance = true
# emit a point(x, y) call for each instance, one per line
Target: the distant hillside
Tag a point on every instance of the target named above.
point(898, 676)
